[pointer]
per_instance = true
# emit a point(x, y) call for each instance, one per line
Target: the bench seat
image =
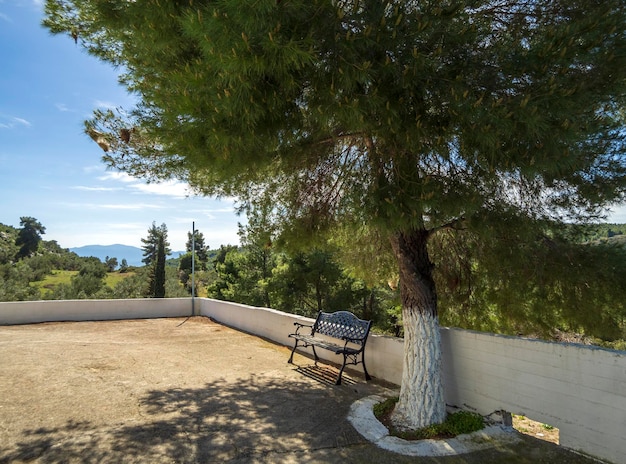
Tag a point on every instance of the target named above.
point(340, 325)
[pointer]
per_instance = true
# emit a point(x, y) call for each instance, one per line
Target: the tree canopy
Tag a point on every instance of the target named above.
point(29, 236)
point(150, 245)
point(395, 118)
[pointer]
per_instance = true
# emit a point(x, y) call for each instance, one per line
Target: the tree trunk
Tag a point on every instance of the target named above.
point(421, 400)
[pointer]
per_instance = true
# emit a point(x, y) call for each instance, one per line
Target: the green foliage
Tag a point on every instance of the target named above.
point(8, 249)
point(516, 289)
point(393, 114)
point(604, 232)
point(111, 263)
point(150, 245)
point(157, 277)
point(199, 247)
point(457, 423)
point(87, 282)
point(28, 237)
point(297, 282)
point(14, 282)
point(173, 287)
point(197, 263)
point(133, 286)
point(57, 273)
point(532, 287)
point(155, 250)
point(20, 280)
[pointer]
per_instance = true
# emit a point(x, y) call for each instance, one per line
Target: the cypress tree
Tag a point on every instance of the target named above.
point(158, 272)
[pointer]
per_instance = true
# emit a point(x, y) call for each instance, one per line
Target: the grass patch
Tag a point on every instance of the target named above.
point(59, 276)
point(113, 278)
point(455, 424)
point(52, 280)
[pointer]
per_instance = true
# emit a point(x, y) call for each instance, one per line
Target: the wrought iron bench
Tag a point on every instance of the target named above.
point(341, 325)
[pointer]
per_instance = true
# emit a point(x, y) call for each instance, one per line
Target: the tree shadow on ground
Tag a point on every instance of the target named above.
point(223, 421)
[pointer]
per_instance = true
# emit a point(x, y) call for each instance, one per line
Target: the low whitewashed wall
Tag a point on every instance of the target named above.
point(28, 312)
point(581, 390)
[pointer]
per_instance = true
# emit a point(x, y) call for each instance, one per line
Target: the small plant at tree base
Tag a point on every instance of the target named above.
point(455, 424)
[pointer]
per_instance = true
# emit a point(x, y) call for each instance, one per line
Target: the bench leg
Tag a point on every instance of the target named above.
point(345, 359)
point(367, 375)
point(292, 352)
point(315, 354)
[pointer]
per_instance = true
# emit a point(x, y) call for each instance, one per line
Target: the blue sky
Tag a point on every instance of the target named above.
point(50, 170)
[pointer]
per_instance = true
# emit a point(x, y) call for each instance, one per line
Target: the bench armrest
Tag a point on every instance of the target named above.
point(299, 326)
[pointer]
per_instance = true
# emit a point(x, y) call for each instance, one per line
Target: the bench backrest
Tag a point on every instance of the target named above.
point(342, 324)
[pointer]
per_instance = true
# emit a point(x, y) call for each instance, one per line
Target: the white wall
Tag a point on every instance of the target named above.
point(28, 312)
point(579, 389)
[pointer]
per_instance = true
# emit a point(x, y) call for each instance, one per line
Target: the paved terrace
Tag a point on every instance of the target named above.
point(187, 390)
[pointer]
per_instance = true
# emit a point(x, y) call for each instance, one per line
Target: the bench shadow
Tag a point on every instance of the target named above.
point(222, 421)
point(324, 375)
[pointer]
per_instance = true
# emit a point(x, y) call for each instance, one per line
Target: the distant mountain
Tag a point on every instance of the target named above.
point(132, 255)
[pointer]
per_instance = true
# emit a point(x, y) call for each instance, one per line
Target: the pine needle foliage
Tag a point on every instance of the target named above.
point(401, 111)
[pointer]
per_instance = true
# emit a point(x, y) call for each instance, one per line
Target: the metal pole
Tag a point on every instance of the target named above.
point(193, 267)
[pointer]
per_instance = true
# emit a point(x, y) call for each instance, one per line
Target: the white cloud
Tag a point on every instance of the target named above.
point(112, 206)
point(169, 188)
point(95, 189)
point(22, 121)
point(5, 18)
point(9, 122)
point(105, 105)
point(129, 206)
point(62, 107)
point(119, 176)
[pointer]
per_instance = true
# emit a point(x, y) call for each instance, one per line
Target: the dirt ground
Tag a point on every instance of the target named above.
point(189, 390)
point(535, 429)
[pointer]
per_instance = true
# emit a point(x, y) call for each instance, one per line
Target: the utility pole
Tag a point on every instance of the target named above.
point(193, 267)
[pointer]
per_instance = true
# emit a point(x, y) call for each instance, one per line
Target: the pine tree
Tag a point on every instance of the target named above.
point(29, 236)
point(199, 246)
point(157, 276)
point(155, 250)
point(151, 243)
point(406, 118)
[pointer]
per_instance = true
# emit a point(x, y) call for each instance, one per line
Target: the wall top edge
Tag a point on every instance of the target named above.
point(533, 340)
point(89, 300)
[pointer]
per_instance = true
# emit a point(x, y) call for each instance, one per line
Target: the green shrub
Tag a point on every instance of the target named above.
point(455, 424)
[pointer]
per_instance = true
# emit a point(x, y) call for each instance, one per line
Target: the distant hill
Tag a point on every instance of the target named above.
point(132, 255)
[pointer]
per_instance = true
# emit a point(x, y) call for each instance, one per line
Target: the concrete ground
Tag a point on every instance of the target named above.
point(188, 391)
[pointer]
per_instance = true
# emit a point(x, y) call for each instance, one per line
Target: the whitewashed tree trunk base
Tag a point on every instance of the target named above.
point(421, 400)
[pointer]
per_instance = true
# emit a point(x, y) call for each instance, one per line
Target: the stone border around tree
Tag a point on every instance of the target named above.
point(362, 417)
